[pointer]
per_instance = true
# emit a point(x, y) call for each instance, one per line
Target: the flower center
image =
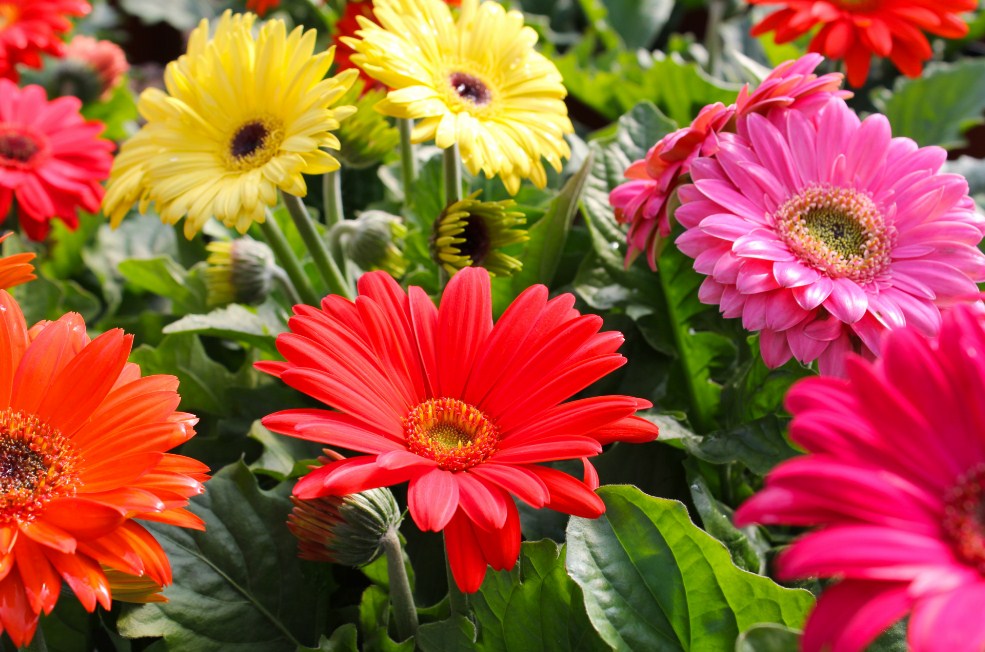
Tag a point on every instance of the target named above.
point(37, 464)
point(470, 88)
point(838, 231)
point(254, 143)
point(8, 14)
point(964, 517)
point(17, 148)
point(477, 242)
point(454, 434)
point(858, 5)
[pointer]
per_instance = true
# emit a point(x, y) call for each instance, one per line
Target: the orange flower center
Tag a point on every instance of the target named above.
point(37, 464)
point(8, 14)
point(454, 434)
point(964, 517)
point(838, 231)
point(18, 148)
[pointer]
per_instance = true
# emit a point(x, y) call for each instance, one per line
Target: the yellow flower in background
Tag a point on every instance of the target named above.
point(473, 233)
point(475, 81)
point(243, 116)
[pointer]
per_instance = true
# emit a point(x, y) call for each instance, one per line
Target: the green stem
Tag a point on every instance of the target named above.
point(329, 271)
point(332, 195)
point(278, 243)
point(713, 38)
point(452, 175)
point(458, 602)
point(284, 281)
point(408, 161)
point(404, 609)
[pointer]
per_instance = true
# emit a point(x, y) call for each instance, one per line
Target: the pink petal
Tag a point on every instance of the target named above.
point(433, 499)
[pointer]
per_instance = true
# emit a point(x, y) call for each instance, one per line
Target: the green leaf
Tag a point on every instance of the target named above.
point(183, 15)
point(233, 322)
point(653, 580)
point(343, 639)
point(768, 638)
point(637, 21)
point(165, 277)
point(455, 633)
point(237, 586)
point(759, 444)
point(547, 237)
point(117, 112)
point(939, 106)
point(203, 381)
point(536, 606)
point(282, 456)
point(374, 620)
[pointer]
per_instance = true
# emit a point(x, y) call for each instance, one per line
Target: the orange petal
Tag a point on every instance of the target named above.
point(83, 519)
point(18, 619)
point(84, 577)
point(41, 583)
point(49, 535)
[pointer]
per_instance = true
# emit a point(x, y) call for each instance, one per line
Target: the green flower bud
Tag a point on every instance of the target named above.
point(371, 240)
point(472, 233)
point(239, 271)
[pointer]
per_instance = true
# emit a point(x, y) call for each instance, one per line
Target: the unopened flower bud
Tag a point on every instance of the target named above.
point(366, 136)
point(371, 240)
point(472, 233)
point(239, 271)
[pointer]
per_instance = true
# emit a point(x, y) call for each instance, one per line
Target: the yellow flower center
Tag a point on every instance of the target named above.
point(8, 14)
point(454, 434)
point(964, 517)
point(17, 147)
point(838, 231)
point(254, 143)
point(37, 464)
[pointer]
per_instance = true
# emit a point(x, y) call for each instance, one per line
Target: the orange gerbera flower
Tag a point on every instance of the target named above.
point(261, 7)
point(857, 30)
point(15, 269)
point(82, 441)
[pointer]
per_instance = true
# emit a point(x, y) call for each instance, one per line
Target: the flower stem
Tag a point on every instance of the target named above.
point(332, 196)
point(458, 602)
point(452, 174)
point(408, 161)
point(329, 271)
point(404, 609)
point(713, 38)
point(278, 243)
point(284, 281)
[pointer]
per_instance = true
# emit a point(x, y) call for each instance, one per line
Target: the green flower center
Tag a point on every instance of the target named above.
point(838, 231)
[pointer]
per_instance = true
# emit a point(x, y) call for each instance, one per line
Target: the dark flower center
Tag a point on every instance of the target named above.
point(454, 434)
point(17, 147)
point(470, 88)
point(964, 517)
point(248, 139)
point(477, 241)
point(20, 467)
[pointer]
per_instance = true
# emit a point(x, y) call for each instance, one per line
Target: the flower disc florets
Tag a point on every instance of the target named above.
point(454, 434)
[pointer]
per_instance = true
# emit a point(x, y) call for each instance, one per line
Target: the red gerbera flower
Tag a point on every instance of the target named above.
point(463, 409)
point(82, 441)
point(30, 28)
point(51, 159)
point(857, 30)
point(261, 7)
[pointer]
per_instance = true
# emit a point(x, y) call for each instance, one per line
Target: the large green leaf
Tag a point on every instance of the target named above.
point(239, 586)
point(652, 580)
point(233, 322)
point(768, 638)
point(939, 106)
point(165, 277)
point(203, 381)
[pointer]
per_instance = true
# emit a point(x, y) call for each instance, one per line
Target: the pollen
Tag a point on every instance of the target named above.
point(454, 434)
point(964, 517)
point(253, 143)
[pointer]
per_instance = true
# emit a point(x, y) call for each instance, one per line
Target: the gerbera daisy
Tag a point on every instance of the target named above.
point(473, 233)
point(475, 81)
point(16, 268)
point(243, 116)
point(104, 58)
point(82, 441)
point(643, 201)
point(857, 30)
point(30, 28)
point(822, 233)
point(463, 409)
point(51, 159)
point(894, 480)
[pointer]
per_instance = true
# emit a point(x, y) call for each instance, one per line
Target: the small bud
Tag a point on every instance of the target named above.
point(105, 58)
point(472, 233)
point(344, 529)
point(239, 271)
point(371, 240)
point(366, 136)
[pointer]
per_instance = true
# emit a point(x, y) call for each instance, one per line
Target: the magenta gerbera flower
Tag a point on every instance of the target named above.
point(823, 232)
point(642, 201)
point(52, 160)
point(894, 480)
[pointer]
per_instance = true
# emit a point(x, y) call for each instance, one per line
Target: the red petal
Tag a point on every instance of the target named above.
point(548, 450)
point(465, 557)
point(424, 321)
point(49, 535)
point(84, 577)
point(485, 505)
point(432, 499)
point(568, 495)
point(41, 582)
point(349, 476)
point(521, 482)
point(501, 547)
point(464, 324)
point(18, 619)
point(83, 519)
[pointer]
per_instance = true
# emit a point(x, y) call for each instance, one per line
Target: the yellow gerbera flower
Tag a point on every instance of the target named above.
point(476, 81)
point(243, 115)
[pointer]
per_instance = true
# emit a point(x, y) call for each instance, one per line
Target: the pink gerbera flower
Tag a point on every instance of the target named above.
point(894, 480)
point(463, 409)
point(824, 232)
point(643, 200)
point(51, 159)
point(30, 28)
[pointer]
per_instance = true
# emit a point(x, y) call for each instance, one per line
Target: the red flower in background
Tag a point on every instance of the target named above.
point(463, 409)
point(261, 7)
point(51, 159)
point(82, 453)
point(857, 30)
point(30, 28)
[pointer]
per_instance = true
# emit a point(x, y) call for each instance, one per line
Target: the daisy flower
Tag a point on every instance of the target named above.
point(473, 233)
point(643, 200)
point(465, 410)
point(475, 81)
point(51, 159)
point(82, 451)
point(857, 30)
point(30, 28)
point(243, 116)
point(824, 232)
point(894, 483)
point(16, 268)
